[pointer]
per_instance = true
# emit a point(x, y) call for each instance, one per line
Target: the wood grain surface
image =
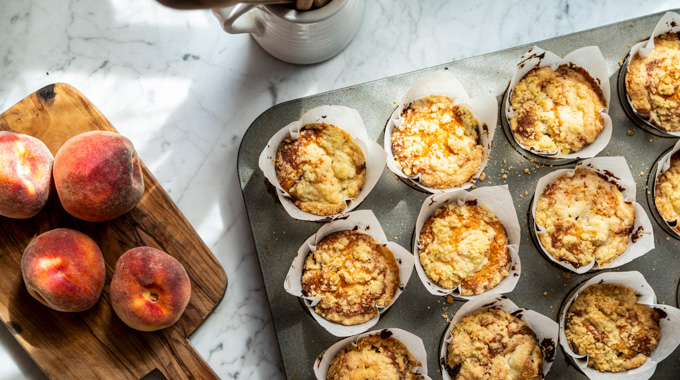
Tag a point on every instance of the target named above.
point(95, 344)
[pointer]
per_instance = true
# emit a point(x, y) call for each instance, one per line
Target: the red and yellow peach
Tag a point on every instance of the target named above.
point(25, 175)
point(98, 176)
point(149, 289)
point(64, 269)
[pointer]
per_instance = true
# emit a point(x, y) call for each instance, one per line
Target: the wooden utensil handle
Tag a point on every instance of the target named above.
point(179, 360)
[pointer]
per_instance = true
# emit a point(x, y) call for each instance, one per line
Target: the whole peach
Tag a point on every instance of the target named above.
point(64, 269)
point(149, 289)
point(98, 176)
point(25, 175)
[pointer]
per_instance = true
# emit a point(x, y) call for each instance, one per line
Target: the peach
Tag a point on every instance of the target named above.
point(98, 176)
point(149, 289)
point(64, 269)
point(25, 175)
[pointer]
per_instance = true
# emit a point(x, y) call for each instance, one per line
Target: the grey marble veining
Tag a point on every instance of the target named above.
point(185, 92)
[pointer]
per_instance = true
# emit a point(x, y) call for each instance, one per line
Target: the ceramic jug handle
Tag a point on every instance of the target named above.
point(229, 18)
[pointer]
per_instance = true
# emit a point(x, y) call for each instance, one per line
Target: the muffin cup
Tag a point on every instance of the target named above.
point(444, 83)
point(616, 170)
point(411, 341)
point(662, 165)
point(546, 329)
point(669, 325)
point(498, 200)
point(345, 118)
point(588, 58)
point(670, 22)
point(361, 221)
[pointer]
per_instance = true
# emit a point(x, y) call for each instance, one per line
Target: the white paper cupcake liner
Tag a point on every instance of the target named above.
point(345, 118)
point(663, 165)
point(669, 325)
point(411, 341)
point(546, 329)
point(444, 83)
point(498, 200)
point(670, 22)
point(588, 58)
point(361, 221)
point(616, 170)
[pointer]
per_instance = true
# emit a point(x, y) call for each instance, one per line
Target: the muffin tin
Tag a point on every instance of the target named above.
point(277, 236)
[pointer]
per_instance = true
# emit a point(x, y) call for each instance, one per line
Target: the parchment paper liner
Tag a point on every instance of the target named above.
point(645, 48)
point(588, 58)
point(344, 118)
point(363, 221)
point(411, 341)
point(616, 170)
point(496, 198)
point(444, 83)
point(663, 165)
point(546, 329)
point(670, 327)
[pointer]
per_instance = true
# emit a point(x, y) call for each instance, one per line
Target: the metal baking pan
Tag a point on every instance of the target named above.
point(277, 236)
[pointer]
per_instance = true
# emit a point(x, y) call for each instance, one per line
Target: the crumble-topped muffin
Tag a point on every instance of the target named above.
point(352, 275)
point(557, 110)
point(321, 168)
point(667, 191)
point(617, 334)
point(653, 83)
point(464, 245)
point(439, 141)
point(374, 357)
point(492, 344)
point(586, 217)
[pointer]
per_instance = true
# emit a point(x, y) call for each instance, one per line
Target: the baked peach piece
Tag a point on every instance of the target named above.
point(98, 176)
point(25, 175)
point(149, 289)
point(64, 269)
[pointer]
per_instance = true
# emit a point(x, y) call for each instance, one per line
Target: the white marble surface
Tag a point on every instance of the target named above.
point(185, 92)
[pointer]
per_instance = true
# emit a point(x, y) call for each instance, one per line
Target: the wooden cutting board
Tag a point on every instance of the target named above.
point(95, 344)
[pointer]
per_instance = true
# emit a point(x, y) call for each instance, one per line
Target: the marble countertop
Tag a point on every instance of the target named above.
point(185, 92)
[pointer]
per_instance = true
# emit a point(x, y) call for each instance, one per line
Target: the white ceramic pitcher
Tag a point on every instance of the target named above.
point(293, 36)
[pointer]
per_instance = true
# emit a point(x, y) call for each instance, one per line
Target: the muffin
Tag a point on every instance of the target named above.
point(557, 111)
point(667, 192)
point(492, 344)
point(464, 245)
point(321, 168)
point(653, 83)
point(586, 217)
point(617, 334)
point(438, 141)
point(374, 357)
point(351, 275)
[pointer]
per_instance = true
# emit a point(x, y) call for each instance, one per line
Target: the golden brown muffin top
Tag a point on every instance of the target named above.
point(492, 344)
point(321, 168)
point(617, 334)
point(557, 110)
point(667, 191)
point(653, 83)
point(352, 275)
point(464, 245)
point(439, 141)
point(586, 217)
point(374, 357)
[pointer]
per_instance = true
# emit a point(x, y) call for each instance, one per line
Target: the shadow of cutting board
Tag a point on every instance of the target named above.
point(95, 344)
